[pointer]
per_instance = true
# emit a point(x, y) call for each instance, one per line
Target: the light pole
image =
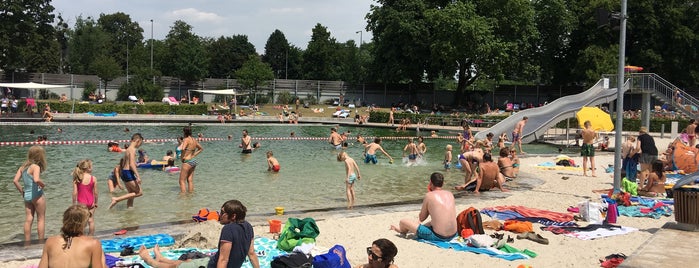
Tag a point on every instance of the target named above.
point(151, 49)
point(360, 38)
point(620, 98)
point(286, 64)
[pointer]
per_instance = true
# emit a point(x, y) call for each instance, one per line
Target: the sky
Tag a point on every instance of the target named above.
point(214, 18)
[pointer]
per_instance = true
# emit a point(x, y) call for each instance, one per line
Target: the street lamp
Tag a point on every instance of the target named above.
point(360, 38)
point(151, 50)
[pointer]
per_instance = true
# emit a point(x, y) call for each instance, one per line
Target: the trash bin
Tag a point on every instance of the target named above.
point(686, 205)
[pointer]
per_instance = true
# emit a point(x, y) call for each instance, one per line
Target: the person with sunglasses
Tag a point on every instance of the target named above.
point(381, 254)
point(237, 238)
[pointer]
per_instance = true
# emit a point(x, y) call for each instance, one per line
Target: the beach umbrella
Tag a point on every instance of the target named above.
point(600, 120)
point(631, 68)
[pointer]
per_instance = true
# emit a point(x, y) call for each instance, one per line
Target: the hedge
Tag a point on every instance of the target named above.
point(123, 108)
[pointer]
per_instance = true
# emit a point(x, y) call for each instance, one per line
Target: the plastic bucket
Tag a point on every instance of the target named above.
point(275, 226)
point(612, 213)
point(279, 210)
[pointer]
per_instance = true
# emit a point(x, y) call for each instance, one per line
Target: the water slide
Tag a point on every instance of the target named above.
point(544, 117)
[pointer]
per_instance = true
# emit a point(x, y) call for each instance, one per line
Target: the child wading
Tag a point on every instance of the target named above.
point(85, 190)
point(352, 171)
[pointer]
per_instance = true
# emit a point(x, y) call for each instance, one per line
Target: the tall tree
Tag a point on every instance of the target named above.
point(554, 22)
point(141, 85)
point(227, 54)
point(27, 36)
point(401, 39)
point(187, 56)
point(254, 74)
point(106, 68)
point(319, 60)
point(277, 53)
point(87, 42)
point(123, 33)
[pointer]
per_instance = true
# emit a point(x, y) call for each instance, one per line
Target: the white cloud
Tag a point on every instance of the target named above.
point(194, 15)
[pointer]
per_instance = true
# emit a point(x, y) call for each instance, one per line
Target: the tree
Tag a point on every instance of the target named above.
point(253, 74)
point(187, 58)
point(277, 54)
point(27, 37)
point(123, 35)
point(227, 54)
point(141, 85)
point(554, 22)
point(106, 68)
point(86, 43)
point(320, 59)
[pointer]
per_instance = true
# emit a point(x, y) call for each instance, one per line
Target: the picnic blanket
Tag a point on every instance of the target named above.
point(265, 248)
point(526, 212)
point(459, 245)
point(592, 231)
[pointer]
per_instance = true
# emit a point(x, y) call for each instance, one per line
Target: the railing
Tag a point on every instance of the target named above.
point(663, 90)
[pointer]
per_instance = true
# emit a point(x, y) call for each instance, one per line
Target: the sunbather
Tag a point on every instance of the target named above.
point(381, 254)
point(488, 177)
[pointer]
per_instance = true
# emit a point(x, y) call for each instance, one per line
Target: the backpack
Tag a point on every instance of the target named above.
point(335, 258)
point(470, 218)
point(296, 232)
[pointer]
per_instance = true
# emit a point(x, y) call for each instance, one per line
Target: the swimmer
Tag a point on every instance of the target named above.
point(335, 139)
point(370, 152)
point(272, 163)
point(353, 174)
point(421, 147)
point(412, 151)
point(447, 157)
point(129, 173)
point(190, 149)
point(246, 143)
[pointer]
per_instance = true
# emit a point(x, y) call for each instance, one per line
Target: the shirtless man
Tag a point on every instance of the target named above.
point(587, 151)
point(421, 147)
point(487, 143)
point(488, 178)
point(517, 133)
point(439, 206)
point(370, 151)
point(469, 163)
point(129, 173)
point(390, 117)
point(691, 132)
point(335, 139)
point(412, 150)
point(246, 142)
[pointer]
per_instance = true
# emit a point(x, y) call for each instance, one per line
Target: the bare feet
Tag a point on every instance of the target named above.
point(143, 252)
point(114, 202)
point(156, 251)
point(394, 228)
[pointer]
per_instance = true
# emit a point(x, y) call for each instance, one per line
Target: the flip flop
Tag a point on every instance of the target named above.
point(120, 232)
point(537, 238)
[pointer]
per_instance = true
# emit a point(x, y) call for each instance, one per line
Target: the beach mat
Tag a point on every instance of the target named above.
point(265, 248)
point(118, 244)
point(459, 245)
point(639, 199)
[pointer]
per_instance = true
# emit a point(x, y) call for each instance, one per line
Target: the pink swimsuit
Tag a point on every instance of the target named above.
point(85, 193)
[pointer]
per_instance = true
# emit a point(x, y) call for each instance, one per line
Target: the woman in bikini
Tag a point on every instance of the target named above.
point(655, 186)
point(72, 248)
point(506, 164)
point(469, 163)
point(190, 149)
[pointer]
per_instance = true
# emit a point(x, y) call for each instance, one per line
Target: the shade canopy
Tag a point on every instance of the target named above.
point(31, 85)
point(229, 91)
point(600, 120)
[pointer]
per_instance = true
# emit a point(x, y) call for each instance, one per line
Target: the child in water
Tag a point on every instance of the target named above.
point(353, 174)
point(272, 163)
point(447, 157)
point(113, 179)
point(32, 190)
point(85, 190)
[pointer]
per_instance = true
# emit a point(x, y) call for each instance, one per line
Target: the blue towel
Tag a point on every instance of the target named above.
point(635, 211)
point(461, 246)
point(502, 215)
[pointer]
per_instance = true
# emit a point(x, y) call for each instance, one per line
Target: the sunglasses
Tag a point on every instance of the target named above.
point(371, 253)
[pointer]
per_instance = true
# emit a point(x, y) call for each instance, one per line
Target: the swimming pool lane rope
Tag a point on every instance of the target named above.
point(79, 142)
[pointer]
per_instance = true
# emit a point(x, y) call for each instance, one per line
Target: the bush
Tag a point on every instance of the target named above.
point(88, 88)
point(126, 108)
point(285, 97)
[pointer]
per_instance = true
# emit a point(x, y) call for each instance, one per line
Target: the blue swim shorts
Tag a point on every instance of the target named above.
point(425, 232)
point(370, 158)
point(128, 175)
point(352, 178)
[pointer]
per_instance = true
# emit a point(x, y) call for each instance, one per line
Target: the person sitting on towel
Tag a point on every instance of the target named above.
point(381, 254)
point(439, 205)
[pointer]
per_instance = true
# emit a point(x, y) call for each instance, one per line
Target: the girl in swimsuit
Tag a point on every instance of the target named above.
point(190, 149)
point(85, 190)
point(32, 190)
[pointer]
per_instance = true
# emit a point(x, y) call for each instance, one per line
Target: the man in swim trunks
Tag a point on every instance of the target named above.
point(335, 139)
point(246, 143)
point(129, 173)
point(370, 151)
point(272, 163)
point(439, 206)
point(587, 151)
point(517, 133)
point(412, 150)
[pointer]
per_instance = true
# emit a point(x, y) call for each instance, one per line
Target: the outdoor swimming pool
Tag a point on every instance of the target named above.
point(310, 177)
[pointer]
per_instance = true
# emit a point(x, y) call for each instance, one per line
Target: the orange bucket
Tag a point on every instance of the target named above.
point(275, 226)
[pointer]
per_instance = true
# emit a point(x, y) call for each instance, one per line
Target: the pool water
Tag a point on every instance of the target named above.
point(310, 177)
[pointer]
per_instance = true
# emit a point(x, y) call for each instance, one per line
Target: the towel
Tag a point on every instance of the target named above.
point(534, 213)
point(591, 231)
point(458, 245)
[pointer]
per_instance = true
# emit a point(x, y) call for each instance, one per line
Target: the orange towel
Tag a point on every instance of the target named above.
point(518, 226)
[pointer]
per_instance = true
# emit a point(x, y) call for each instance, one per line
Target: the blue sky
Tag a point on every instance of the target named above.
point(255, 18)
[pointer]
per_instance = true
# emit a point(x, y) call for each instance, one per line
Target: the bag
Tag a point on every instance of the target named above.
point(470, 218)
point(335, 258)
point(297, 232)
point(293, 260)
point(592, 212)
